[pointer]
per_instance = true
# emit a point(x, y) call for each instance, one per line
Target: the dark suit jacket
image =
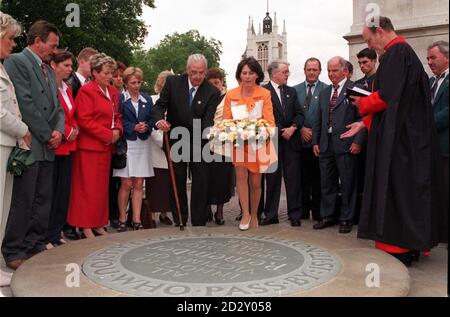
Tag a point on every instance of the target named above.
point(74, 83)
point(38, 101)
point(312, 112)
point(291, 114)
point(174, 99)
point(130, 119)
point(440, 110)
point(344, 114)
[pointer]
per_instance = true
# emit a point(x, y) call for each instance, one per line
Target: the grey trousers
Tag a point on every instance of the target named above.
point(28, 219)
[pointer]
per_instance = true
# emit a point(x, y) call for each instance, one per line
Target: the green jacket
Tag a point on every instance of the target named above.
point(38, 101)
point(311, 114)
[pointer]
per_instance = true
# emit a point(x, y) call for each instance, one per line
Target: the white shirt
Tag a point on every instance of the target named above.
point(81, 78)
point(341, 86)
point(63, 91)
point(127, 96)
point(192, 86)
point(313, 87)
point(440, 81)
point(277, 90)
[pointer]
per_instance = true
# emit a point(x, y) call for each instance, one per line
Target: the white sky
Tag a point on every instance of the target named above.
point(315, 28)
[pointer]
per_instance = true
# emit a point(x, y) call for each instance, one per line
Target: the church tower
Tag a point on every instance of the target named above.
point(266, 45)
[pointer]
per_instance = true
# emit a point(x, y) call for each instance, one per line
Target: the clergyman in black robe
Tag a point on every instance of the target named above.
point(402, 197)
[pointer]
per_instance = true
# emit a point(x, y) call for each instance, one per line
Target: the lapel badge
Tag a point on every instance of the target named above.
point(316, 97)
point(288, 96)
point(199, 102)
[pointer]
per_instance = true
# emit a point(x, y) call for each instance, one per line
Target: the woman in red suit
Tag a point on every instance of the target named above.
point(100, 128)
point(62, 65)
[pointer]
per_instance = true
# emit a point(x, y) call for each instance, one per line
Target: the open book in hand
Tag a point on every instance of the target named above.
point(358, 92)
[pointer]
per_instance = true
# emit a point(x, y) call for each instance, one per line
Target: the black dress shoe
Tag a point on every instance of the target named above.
point(415, 255)
point(72, 234)
point(219, 220)
point(406, 258)
point(267, 222)
point(296, 223)
point(165, 220)
point(305, 215)
point(345, 227)
point(323, 224)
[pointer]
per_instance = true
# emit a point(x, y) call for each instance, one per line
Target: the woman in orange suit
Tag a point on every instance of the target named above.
point(249, 164)
point(100, 128)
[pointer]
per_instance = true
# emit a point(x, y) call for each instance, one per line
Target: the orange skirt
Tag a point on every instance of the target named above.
point(257, 160)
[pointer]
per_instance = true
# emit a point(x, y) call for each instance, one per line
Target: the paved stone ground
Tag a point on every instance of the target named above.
point(428, 276)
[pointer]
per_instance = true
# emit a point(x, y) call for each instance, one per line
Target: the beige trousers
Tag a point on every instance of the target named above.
point(6, 186)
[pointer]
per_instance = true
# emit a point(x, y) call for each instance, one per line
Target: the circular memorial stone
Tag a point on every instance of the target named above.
point(211, 265)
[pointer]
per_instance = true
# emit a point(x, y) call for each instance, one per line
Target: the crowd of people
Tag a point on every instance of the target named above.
point(327, 141)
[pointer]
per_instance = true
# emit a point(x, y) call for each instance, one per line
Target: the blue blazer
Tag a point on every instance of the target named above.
point(130, 118)
point(440, 109)
point(344, 114)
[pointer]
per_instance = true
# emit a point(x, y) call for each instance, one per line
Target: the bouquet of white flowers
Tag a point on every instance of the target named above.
point(239, 132)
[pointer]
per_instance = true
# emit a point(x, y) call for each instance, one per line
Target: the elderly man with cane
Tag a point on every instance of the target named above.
point(188, 99)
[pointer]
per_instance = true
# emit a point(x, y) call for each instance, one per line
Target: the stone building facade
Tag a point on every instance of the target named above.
point(419, 22)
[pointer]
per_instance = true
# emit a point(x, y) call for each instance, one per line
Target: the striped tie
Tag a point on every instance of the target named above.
point(333, 102)
point(44, 71)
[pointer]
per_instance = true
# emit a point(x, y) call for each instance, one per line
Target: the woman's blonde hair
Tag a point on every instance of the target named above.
point(101, 59)
point(9, 24)
point(161, 80)
point(130, 72)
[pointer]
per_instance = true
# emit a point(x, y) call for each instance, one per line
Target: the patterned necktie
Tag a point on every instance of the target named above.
point(191, 96)
point(333, 102)
point(308, 98)
point(435, 86)
point(44, 71)
point(281, 95)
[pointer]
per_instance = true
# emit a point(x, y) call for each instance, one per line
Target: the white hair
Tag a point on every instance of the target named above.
point(342, 61)
point(195, 58)
point(9, 24)
point(274, 65)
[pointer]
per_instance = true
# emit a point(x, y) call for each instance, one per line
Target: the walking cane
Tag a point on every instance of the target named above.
point(174, 181)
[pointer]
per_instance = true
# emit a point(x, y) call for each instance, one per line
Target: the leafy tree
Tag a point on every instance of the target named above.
point(110, 26)
point(172, 53)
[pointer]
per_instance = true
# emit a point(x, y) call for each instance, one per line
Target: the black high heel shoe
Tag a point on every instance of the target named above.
point(137, 226)
point(219, 220)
